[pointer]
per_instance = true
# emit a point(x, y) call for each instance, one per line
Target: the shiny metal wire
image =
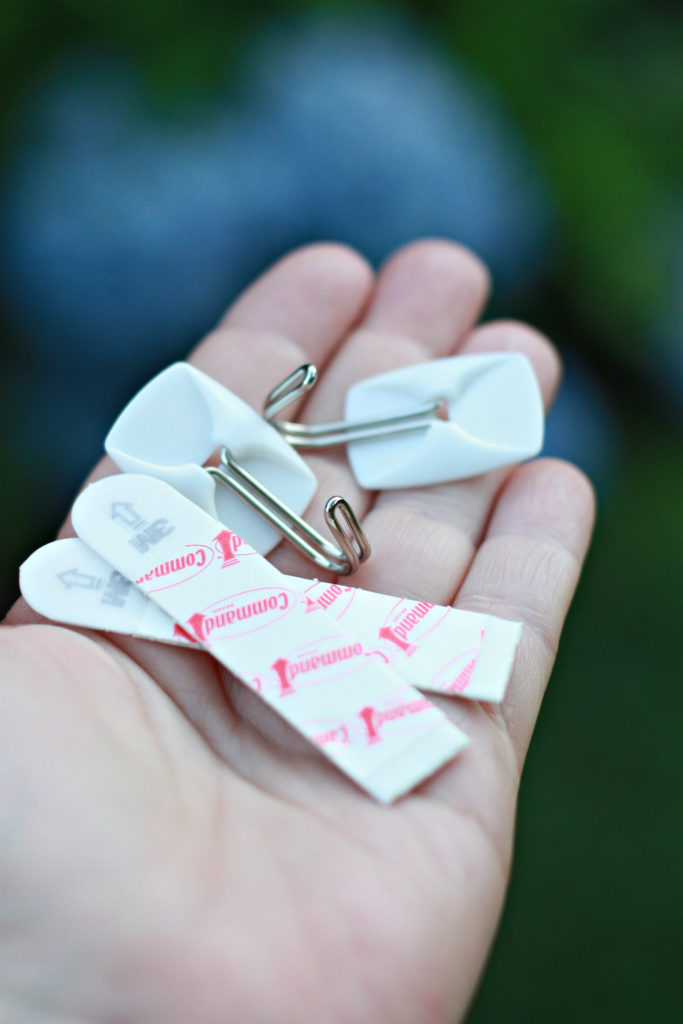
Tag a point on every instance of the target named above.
point(326, 435)
point(342, 558)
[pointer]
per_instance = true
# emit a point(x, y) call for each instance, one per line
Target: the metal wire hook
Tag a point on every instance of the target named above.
point(352, 546)
point(326, 435)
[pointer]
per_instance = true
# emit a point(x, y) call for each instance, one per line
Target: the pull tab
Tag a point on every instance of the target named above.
point(175, 424)
point(495, 418)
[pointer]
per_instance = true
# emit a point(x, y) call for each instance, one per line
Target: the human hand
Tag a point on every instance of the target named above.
point(172, 853)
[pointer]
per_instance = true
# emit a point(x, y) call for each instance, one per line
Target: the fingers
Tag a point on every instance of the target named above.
point(297, 312)
point(426, 300)
point(526, 569)
point(319, 305)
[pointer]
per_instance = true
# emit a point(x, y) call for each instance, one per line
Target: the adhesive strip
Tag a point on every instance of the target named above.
point(432, 647)
point(380, 731)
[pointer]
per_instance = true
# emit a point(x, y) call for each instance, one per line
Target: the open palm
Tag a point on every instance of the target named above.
point(171, 851)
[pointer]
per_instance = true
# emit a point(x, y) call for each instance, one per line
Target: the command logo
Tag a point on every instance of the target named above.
point(177, 570)
point(242, 613)
point(334, 598)
point(374, 719)
point(325, 660)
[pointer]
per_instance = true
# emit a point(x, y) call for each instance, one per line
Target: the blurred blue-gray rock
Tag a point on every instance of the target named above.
point(391, 140)
point(124, 234)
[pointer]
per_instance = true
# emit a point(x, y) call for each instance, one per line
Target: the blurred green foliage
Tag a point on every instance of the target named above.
point(598, 86)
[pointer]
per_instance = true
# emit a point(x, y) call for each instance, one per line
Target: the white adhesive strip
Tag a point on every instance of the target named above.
point(382, 732)
point(438, 649)
point(434, 648)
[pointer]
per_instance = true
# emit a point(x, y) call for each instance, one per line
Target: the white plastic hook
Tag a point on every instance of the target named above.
point(179, 419)
point(495, 418)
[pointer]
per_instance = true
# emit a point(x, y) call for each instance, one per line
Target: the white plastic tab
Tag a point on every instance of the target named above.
point(434, 648)
point(495, 418)
point(179, 419)
point(383, 733)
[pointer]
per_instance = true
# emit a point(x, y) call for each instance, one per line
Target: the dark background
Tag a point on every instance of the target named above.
point(155, 157)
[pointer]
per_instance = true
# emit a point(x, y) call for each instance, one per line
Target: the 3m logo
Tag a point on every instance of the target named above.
point(175, 571)
point(242, 613)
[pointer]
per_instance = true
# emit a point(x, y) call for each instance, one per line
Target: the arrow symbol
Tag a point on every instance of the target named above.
point(125, 512)
point(75, 578)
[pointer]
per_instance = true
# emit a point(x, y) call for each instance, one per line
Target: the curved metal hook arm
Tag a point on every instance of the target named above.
point(342, 558)
point(326, 435)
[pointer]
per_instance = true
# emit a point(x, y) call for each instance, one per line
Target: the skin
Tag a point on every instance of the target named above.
point(171, 852)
